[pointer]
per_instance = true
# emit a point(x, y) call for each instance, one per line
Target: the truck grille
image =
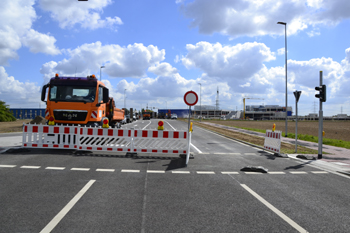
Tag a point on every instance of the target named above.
point(70, 115)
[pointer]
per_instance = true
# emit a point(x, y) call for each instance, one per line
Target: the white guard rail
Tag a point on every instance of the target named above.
point(273, 141)
point(106, 139)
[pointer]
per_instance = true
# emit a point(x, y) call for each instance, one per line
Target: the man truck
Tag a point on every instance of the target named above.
point(80, 101)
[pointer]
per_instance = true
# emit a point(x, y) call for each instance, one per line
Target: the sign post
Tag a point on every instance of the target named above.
point(190, 98)
point(297, 96)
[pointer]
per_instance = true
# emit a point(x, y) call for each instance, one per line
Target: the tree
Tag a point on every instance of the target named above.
point(5, 114)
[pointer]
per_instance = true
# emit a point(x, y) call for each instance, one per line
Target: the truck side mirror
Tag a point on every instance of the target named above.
point(105, 95)
point(43, 92)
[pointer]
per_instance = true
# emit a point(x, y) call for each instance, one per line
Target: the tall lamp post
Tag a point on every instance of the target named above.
point(285, 52)
point(200, 100)
point(124, 99)
point(100, 71)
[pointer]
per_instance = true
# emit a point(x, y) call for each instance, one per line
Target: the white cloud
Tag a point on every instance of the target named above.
point(163, 69)
point(85, 13)
point(259, 17)
point(281, 51)
point(16, 93)
point(237, 62)
point(40, 43)
point(17, 17)
point(130, 61)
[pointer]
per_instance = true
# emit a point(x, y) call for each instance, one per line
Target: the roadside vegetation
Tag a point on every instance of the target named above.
point(5, 114)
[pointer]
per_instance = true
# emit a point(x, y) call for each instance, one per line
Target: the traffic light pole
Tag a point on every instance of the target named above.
point(320, 125)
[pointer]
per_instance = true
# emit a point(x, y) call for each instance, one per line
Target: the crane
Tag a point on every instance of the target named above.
point(244, 104)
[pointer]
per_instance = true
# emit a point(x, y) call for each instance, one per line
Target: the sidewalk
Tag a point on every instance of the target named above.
point(336, 159)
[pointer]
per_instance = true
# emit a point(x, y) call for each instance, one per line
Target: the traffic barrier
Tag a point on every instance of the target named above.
point(105, 139)
point(273, 141)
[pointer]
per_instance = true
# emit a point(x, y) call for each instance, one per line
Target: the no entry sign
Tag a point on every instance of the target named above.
point(191, 98)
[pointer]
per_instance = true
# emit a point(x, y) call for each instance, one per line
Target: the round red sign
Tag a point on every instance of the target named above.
point(191, 98)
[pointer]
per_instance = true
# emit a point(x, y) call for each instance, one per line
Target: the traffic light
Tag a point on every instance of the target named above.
point(322, 94)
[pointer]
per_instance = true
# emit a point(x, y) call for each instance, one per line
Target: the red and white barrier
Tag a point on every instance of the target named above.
point(105, 139)
point(273, 141)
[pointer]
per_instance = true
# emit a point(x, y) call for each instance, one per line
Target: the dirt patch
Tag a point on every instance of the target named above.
point(339, 130)
point(12, 126)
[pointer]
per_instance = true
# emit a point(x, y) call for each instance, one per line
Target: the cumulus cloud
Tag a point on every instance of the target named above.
point(17, 17)
point(259, 17)
point(237, 62)
point(163, 69)
point(87, 14)
point(17, 93)
point(130, 61)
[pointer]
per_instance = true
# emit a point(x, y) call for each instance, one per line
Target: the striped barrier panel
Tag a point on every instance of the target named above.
point(44, 136)
point(106, 139)
point(159, 141)
point(273, 141)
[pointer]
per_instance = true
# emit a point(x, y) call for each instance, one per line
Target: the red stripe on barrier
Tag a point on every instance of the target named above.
point(110, 132)
point(34, 145)
point(185, 152)
point(176, 134)
point(45, 145)
point(89, 148)
point(128, 149)
point(66, 130)
point(135, 133)
point(81, 131)
point(99, 148)
point(25, 128)
point(144, 134)
point(35, 129)
point(46, 129)
point(165, 134)
point(25, 144)
point(75, 146)
point(100, 132)
point(55, 146)
point(155, 134)
point(75, 131)
point(66, 146)
point(120, 133)
point(165, 151)
point(129, 133)
point(90, 131)
point(175, 151)
point(109, 148)
point(80, 148)
point(119, 149)
point(143, 150)
point(56, 130)
point(185, 134)
point(154, 151)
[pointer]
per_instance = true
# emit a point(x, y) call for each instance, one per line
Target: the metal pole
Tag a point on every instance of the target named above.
point(320, 125)
point(285, 30)
point(189, 118)
point(296, 125)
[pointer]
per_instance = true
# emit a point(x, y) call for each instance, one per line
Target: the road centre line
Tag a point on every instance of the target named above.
point(298, 172)
point(229, 173)
point(105, 170)
point(79, 169)
point(276, 172)
point(155, 171)
point(125, 170)
point(146, 125)
point(52, 224)
point(180, 172)
point(31, 167)
point(205, 172)
point(55, 168)
point(274, 209)
point(319, 172)
point(10, 166)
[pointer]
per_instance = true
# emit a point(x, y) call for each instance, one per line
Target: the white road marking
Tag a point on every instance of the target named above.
point(52, 224)
point(7, 165)
point(298, 172)
point(229, 173)
point(319, 172)
point(147, 125)
point(155, 171)
point(200, 152)
point(339, 163)
point(55, 168)
point(271, 207)
point(31, 167)
point(249, 153)
point(170, 125)
point(254, 173)
point(180, 172)
point(205, 172)
point(79, 169)
point(276, 172)
point(105, 170)
point(125, 170)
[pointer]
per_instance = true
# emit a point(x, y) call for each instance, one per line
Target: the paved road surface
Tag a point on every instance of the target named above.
point(64, 191)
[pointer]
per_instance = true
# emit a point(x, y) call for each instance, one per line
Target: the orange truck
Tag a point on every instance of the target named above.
point(79, 100)
point(146, 115)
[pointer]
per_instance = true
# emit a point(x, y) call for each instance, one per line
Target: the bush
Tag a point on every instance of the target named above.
point(5, 114)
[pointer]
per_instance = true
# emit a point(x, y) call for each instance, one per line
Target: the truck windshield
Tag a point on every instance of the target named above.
point(72, 93)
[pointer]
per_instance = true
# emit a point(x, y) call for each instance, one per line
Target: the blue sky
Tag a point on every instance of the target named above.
point(160, 49)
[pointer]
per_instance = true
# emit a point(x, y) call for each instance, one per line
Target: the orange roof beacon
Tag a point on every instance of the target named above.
point(80, 101)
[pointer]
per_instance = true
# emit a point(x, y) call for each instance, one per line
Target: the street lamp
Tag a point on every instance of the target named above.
point(100, 71)
point(200, 100)
point(285, 52)
point(124, 99)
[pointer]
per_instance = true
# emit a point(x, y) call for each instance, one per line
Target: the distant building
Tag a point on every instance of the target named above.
point(265, 112)
point(27, 113)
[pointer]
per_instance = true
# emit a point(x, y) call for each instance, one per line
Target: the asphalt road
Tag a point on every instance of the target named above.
point(64, 191)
